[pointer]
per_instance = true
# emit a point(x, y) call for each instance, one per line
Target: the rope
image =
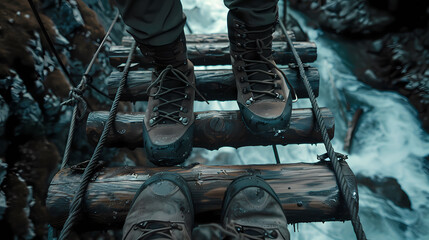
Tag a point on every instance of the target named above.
point(76, 204)
point(75, 96)
point(349, 196)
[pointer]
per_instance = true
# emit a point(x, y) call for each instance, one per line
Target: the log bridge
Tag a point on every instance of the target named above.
point(308, 191)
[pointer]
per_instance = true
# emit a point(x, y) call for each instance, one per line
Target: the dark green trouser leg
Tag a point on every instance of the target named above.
point(255, 13)
point(159, 22)
point(153, 22)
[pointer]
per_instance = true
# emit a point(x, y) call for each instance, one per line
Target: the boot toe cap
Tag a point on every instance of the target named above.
point(263, 117)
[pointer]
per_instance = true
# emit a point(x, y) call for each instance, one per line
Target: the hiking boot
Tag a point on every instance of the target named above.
point(162, 209)
point(252, 210)
point(169, 119)
point(264, 99)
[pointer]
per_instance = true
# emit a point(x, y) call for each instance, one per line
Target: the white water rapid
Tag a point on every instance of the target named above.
point(389, 140)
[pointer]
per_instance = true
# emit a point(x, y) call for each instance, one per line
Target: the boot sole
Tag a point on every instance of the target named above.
point(170, 154)
point(242, 183)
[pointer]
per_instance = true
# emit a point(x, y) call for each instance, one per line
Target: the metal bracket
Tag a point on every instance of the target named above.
point(340, 156)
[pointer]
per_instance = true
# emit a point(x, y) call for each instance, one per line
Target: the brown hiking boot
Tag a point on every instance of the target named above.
point(252, 210)
point(264, 98)
point(169, 119)
point(162, 209)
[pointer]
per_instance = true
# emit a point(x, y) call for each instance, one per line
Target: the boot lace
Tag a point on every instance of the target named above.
point(244, 232)
point(258, 67)
point(156, 229)
point(171, 85)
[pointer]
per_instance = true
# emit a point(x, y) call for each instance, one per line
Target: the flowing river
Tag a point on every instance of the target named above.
point(389, 140)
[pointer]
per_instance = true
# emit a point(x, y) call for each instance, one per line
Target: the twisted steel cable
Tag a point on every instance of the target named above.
point(349, 195)
point(75, 96)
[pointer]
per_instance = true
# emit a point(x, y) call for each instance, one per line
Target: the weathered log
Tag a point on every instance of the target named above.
point(218, 53)
point(308, 192)
point(351, 127)
point(213, 84)
point(213, 130)
point(212, 38)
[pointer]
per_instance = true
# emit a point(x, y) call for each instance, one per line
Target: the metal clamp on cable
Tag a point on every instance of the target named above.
point(340, 156)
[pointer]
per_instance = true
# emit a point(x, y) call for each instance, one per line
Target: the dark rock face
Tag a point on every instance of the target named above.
point(346, 17)
point(400, 58)
point(387, 188)
point(33, 124)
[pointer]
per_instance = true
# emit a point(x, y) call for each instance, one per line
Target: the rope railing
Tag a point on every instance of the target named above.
point(75, 96)
point(349, 195)
point(76, 205)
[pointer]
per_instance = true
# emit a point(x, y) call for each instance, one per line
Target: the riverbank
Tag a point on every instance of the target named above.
point(391, 39)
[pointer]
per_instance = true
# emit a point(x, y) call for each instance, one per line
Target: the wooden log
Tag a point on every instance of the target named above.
point(308, 192)
point(218, 53)
point(212, 38)
point(213, 130)
point(213, 84)
point(351, 127)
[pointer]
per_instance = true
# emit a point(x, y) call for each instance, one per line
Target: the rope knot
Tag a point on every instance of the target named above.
point(76, 99)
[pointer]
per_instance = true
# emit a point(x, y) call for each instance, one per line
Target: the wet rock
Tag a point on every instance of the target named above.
point(4, 114)
point(376, 46)
point(3, 205)
point(25, 110)
point(346, 17)
point(67, 17)
point(386, 187)
point(19, 201)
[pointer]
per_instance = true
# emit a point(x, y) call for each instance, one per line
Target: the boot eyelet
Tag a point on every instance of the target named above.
point(183, 109)
point(245, 90)
point(186, 96)
point(238, 35)
point(243, 35)
point(275, 76)
point(279, 96)
point(273, 234)
point(155, 109)
point(240, 68)
point(239, 45)
point(184, 120)
point(242, 79)
point(152, 121)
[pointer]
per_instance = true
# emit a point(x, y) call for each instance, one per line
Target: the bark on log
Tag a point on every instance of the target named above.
point(218, 53)
point(213, 130)
point(308, 192)
point(213, 84)
point(213, 38)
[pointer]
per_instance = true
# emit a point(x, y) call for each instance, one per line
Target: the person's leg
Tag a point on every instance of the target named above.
point(157, 26)
point(254, 13)
point(162, 208)
point(251, 208)
point(153, 23)
point(264, 99)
